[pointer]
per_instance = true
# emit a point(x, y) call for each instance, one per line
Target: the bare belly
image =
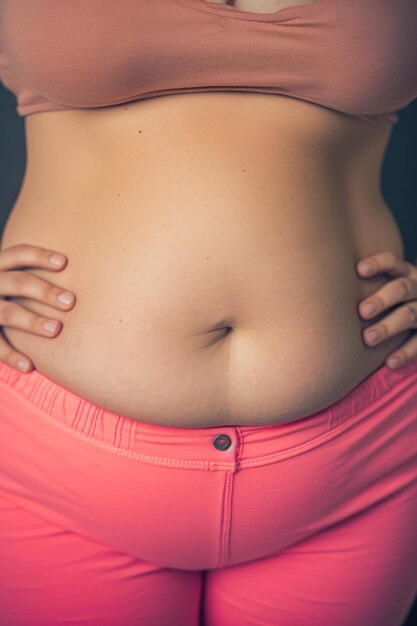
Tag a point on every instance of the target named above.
point(212, 242)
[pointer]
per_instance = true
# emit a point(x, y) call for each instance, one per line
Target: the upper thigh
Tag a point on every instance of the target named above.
point(51, 576)
point(359, 571)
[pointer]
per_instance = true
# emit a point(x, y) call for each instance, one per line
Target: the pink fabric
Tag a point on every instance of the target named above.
point(109, 521)
point(356, 57)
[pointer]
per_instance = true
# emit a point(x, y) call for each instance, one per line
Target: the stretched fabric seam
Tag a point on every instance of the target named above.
point(224, 555)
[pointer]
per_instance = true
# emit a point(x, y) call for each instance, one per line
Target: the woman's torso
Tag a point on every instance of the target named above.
point(211, 241)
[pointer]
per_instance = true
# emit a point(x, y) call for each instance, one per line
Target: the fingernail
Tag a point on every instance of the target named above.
point(57, 259)
point(372, 336)
point(394, 362)
point(50, 327)
point(66, 297)
point(368, 308)
point(23, 365)
point(365, 268)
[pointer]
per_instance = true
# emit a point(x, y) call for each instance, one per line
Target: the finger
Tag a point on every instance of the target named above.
point(27, 285)
point(395, 291)
point(403, 318)
point(26, 255)
point(11, 357)
point(16, 316)
point(407, 352)
point(385, 262)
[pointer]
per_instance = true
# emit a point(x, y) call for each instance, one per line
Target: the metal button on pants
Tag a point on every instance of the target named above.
point(222, 442)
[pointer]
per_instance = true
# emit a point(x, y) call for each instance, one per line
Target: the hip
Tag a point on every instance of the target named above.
point(58, 451)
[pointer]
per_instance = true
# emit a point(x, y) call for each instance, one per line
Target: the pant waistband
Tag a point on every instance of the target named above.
point(219, 444)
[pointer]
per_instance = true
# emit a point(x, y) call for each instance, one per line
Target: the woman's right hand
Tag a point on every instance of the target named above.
point(27, 285)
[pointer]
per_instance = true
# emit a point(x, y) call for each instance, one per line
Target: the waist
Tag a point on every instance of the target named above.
point(195, 314)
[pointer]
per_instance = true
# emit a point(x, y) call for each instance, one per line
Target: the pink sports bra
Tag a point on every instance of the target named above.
point(357, 57)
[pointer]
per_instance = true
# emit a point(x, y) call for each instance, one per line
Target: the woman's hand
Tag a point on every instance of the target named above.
point(25, 284)
point(402, 289)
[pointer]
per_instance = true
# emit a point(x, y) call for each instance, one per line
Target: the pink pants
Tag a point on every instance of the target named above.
point(109, 521)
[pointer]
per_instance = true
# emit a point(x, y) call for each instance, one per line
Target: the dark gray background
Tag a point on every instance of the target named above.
point(399, 181)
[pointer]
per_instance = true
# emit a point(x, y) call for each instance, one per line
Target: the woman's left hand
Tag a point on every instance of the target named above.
point(402, 289)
